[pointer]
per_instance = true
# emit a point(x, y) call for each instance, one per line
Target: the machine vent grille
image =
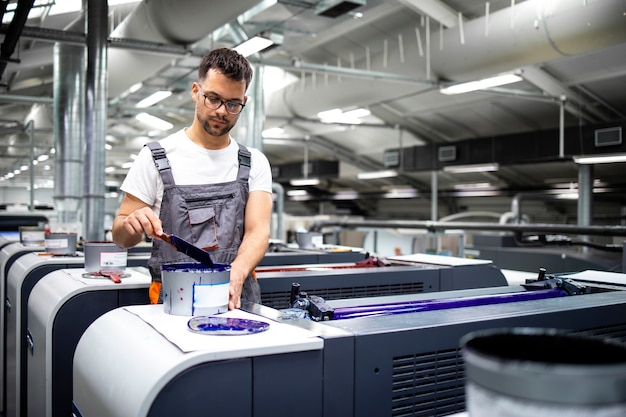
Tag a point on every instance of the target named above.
point(615, 331)
point(433, 383)
point(280, 299)
point(428, 384)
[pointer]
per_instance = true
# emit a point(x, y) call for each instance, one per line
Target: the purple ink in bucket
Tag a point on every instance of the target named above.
point(193, 289)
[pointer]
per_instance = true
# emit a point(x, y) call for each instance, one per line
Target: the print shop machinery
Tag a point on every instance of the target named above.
point(384, 356)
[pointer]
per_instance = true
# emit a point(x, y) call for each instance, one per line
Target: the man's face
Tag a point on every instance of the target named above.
point(218, 90)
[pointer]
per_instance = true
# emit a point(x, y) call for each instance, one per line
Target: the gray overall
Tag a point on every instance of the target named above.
point(210, 216)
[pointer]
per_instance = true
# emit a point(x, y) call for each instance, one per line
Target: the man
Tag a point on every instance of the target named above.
point(201, 185)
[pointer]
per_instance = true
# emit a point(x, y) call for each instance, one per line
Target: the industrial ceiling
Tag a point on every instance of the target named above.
point(389, 59)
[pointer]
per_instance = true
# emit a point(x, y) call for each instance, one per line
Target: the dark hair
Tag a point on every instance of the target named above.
point(229, 62)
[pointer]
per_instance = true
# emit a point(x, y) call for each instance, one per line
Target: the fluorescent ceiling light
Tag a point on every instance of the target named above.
point(301, 182)
point(600, 159)
point(152, 99)
point(297, 193)
point(496, 81)
point(463, 169)
point(473, 186)
point(338, 116)
point(273, 132)
point(135, 87)
point(280, 142)
point(253, 45)
point(153, 121)
point(377, 174)
point(567, 196)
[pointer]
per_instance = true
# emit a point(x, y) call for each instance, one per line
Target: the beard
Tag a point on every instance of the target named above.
point(213, 128)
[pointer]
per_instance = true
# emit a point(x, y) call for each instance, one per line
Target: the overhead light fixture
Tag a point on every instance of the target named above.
point(464, 169)
point(154, 121)
point(600, 159)
point(135, 87)
point(302, 182)
point(297, 193)
point(339, 116)
point(273, 132)
point(473, 186)
point(388, 173)
point(153, 99)
point(259, 43)
point(498, 80)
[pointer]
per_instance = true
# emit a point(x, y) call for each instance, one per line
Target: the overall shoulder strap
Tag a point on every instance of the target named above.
point(245, 158)
point(161, 162)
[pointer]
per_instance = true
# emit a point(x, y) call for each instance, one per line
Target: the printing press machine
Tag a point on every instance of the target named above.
point(51, 396)
point(281, 255)
point(61, 306)
point(8, 255)
point(403, 360)
point(408, 274)
point(23, 274)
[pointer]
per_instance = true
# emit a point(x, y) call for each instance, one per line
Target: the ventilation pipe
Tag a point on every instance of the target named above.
point(96, 119)
point(68, 126)
point(585, 197)
point(279, 192)
point(522, 35)
point(165, 21)
point(251, 133)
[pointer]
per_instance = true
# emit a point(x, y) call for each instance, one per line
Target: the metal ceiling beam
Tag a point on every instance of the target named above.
point(350, 72)
point(14, 32)
point(575, 104)
point(436, 10)
point(369, 18)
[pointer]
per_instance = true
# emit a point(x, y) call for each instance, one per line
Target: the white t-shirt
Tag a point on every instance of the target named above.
point(193, 165)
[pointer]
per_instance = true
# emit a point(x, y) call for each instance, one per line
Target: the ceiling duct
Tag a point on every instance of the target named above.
point(336, 8)
point(167, 22)
point(519, 148)
point(571, 28)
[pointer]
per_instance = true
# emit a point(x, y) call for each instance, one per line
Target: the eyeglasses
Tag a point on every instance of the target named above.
point(214, 103)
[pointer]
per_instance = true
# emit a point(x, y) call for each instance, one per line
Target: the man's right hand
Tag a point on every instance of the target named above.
point(134, 219)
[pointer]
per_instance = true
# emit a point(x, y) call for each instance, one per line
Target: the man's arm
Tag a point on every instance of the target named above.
point(134, 218)
point(254, 245)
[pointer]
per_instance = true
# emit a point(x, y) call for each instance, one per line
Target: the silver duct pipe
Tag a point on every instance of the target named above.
point(256, 117)
point(68, 127)
point(30, 129)
point(571, 28)
point(12, 98)
point(279, 192)
point(516, 203)
point(531, 32)
point(167, 21)
point(96, 119)
point(585, 197)
point(255, 109)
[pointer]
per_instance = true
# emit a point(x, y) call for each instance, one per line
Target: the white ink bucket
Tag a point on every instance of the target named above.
point(543, 373)
point(194, 289)
point(60, 243)
point(104, 256)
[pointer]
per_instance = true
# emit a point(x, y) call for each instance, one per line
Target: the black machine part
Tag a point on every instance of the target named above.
point(316, 306)
point(568, 285)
